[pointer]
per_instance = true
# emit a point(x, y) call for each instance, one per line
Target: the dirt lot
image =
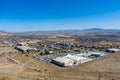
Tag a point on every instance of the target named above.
point(4, 48)
point(7, 50)
point(104, 68)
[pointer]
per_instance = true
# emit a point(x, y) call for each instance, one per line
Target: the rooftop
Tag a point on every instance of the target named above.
point(63, 59)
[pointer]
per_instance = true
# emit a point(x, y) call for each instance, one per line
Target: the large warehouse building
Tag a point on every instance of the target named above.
point(63, 61)
point(70, 60)
point(76, 58)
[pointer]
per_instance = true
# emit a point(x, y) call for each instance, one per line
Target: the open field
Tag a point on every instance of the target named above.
point(4, 48)
point(104, 68)
point(7, 50)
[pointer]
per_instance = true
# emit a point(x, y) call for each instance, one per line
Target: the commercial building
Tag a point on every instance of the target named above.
point(112, 50)
point(97, 54)
point(70, 60)
point(63, 61)
point(21, 43)
point(63, 43)
point(25, 49)
point(76, 58)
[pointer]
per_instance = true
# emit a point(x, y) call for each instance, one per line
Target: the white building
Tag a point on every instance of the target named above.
point(22, 43)
point(76, 58)
point(70, 60)
point(23, 48)
point(86, 60)
point(111, 50)
point(63, 61)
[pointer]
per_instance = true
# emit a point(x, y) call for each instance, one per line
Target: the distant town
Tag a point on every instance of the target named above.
point(44, 54)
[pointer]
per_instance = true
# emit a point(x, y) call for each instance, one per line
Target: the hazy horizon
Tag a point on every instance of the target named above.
point(47, 15)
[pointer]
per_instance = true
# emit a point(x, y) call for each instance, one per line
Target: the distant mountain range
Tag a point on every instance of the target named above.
point(4, 33)
point(68, 31)
point(101, 30)
point(91, 30)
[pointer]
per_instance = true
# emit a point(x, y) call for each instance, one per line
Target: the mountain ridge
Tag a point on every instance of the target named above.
point(69, 31)
point(75, 31)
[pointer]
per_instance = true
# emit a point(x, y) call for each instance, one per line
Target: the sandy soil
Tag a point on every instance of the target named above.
point(7, 50)
point(104, 68)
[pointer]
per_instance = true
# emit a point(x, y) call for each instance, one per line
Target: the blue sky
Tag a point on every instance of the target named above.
point(35, 15)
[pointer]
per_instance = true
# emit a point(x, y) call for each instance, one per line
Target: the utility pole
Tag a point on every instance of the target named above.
point(99, 76)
